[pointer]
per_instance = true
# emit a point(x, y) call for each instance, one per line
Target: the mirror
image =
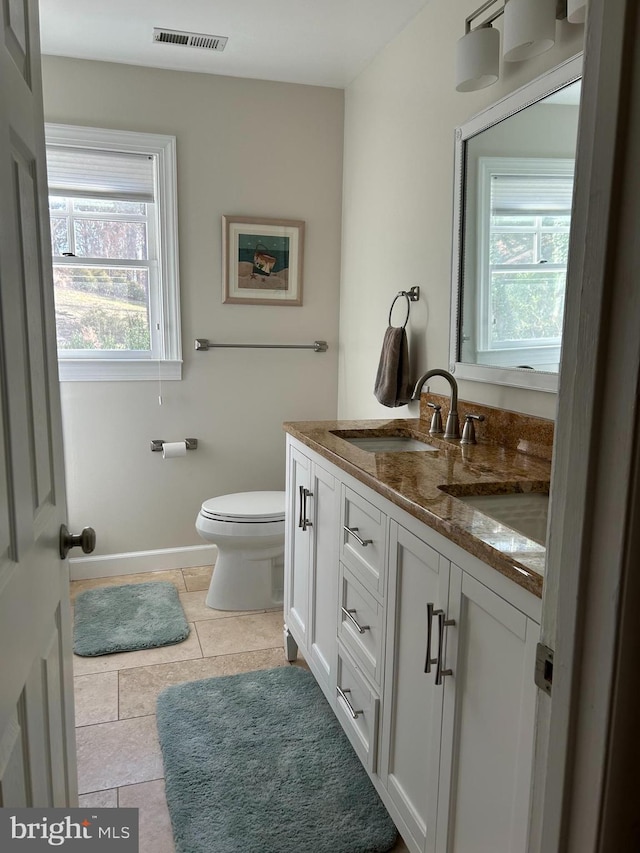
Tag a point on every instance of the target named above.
point(514, 166)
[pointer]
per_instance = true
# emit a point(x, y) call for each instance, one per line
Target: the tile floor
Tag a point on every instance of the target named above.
point(119, 761)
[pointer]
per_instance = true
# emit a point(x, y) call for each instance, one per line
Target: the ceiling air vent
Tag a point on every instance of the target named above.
point(201, 40)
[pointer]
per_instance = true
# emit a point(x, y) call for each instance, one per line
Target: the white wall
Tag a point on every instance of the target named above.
point(400, 116)
point(244, 147)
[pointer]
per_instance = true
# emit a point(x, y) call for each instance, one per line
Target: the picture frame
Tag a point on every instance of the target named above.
point(262, 260)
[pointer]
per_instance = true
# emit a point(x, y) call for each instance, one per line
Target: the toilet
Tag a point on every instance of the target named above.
point(248, 529)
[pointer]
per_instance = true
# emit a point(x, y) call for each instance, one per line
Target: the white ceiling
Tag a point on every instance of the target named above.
point(319, 42)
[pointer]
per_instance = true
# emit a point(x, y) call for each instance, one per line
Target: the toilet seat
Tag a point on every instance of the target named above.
point(245, 508)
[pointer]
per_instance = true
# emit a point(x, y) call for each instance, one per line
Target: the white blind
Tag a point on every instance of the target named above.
point(533, 195)
point(90, 173)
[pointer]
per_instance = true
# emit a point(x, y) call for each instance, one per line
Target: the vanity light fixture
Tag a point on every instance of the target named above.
point(478, 51)
point(529, 29)
point(477, 59)
point(577, 11)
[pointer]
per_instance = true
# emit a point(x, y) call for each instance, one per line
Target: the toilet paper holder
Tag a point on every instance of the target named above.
point(156, 444)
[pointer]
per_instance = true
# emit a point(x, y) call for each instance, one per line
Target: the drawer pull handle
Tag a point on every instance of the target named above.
point(442, 624)
point(430, 614)
point(353, 531)
point(352, 711)
point(349, 614)
point(303, 521)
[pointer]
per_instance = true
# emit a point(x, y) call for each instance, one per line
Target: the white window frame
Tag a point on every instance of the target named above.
point(535, 353)
point(94, 366)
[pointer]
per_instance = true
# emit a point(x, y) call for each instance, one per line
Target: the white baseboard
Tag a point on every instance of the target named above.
point(110, 565)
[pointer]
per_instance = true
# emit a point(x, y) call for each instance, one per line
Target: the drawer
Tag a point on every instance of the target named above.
point(363, 540)
point(360, 624)
point(357, 708)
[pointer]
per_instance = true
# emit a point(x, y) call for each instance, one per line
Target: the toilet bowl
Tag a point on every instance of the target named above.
point(248, 529)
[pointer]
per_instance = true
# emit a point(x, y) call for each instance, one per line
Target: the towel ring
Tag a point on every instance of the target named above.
point(411, 296)
point(404, 325)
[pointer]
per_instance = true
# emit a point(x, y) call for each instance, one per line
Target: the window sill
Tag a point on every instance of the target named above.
point(532, 380)
point(537, 357)
point(116, 370)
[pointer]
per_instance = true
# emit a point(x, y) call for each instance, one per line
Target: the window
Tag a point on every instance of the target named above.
point(525, 206)
point(115, 260)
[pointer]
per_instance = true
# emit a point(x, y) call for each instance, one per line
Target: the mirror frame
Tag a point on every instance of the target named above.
point(563, 75)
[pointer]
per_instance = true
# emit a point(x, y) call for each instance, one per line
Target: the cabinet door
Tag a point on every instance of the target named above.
point(298, 545)
point(322, 633)
point(489, 721)
point(412, 707)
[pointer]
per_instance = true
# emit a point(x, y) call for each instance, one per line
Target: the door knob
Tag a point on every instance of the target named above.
point(86, 540)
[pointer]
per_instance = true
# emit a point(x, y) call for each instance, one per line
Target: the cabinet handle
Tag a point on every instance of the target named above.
point(353, 531)
point(442, 624)
point(349, 614)
point(430, 614)
point(352, 711)
point(303, 521)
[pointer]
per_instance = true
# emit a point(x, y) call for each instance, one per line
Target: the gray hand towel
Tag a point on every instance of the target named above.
point(393, 386)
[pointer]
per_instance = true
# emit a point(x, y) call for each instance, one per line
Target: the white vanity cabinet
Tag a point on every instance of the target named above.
point(488, 721)
point(361, 622)
point(456, 755)
point(311, 566)
point(413, 704)
point(298, 550)
point(451, 760)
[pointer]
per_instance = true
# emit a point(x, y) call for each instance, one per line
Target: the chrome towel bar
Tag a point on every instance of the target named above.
point(206, 344)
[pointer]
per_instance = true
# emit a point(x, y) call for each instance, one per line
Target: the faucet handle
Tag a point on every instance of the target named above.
point(469, 431)
point(436, 420)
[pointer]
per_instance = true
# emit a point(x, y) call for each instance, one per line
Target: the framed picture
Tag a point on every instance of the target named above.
point(262, 260)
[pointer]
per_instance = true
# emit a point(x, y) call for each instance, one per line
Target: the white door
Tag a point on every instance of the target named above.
point(323, 618)
point(412, 708)
point(488, 722)
point(37, 750)
point(298, 545)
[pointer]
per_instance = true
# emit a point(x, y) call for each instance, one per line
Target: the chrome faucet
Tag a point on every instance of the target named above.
point(452, 429)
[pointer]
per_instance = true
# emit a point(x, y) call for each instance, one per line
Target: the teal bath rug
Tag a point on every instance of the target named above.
point(128, 618)
point(258, 763)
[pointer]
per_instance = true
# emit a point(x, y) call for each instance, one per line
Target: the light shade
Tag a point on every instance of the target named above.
point(477, 59)
point(577, 11)
point(529, 28)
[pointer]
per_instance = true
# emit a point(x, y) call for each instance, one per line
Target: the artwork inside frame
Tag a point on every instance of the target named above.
point(262, 260)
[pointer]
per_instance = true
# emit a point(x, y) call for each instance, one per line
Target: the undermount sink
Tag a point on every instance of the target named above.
point(524, 512)
point(388, 443)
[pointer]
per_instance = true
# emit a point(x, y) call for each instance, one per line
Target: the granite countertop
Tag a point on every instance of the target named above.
point(425, 484)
